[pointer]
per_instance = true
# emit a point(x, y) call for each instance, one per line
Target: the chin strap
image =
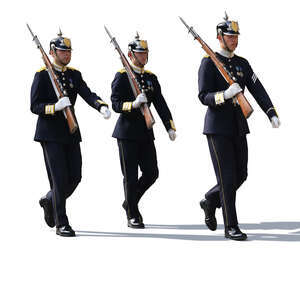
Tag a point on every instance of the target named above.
point(138, 59)
point(222, 37)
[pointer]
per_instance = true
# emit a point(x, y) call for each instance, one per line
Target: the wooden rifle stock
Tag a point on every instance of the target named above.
point(147, 115)
point(243, 102)
point(73, 126)
point(59, 91)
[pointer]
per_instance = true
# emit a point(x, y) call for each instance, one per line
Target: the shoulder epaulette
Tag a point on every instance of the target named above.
point(41, 69)
point(71, 68)
point(149, 72)
point(122, 70)
point(206, 56)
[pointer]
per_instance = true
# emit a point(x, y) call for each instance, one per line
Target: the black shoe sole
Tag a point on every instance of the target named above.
point(210, 226)
point(66, 234)
point(239, 238)
point(140, 226)
point(69, 233)
point(49, 219)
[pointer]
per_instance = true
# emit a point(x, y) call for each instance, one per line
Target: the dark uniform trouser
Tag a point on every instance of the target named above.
point(63, 163)
point(229, 155)
point(134, 154)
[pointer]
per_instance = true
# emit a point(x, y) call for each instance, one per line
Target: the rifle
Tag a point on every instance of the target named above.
point(243, 102)
point(135, 86)
point(57, 86)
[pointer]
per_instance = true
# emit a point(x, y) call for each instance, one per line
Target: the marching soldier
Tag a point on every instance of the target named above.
point(135, 141)
point(61, 149)
point(226, 127)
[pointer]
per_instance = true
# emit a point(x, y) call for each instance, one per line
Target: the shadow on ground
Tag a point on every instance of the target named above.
point(213, 236)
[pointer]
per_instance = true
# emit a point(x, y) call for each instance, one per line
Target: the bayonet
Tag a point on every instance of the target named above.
point(190, 29)
point(113, 40)
point(35, 38)
point(108, 32)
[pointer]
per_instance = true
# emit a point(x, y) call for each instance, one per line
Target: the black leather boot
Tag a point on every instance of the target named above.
point(46, 204)
point(65, 230)
point(135, 219)
point(234, 233)
point(210, 219)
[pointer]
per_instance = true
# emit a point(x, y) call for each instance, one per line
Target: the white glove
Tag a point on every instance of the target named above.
point(105, 112)
point(232, 91)
point(172, 134)
point(275, 122)
point(141, 98)
point(62, 103)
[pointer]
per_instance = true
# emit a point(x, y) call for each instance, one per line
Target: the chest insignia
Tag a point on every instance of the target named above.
point(71, 83)
point(150, 86)
point(239, 71)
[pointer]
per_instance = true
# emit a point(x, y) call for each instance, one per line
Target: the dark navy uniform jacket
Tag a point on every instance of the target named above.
point(131, 124)
point(52, 126)
point(227, 118)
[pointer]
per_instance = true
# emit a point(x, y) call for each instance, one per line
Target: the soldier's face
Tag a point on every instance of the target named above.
point(62, 57)
point(230, 40)
point(140, 58)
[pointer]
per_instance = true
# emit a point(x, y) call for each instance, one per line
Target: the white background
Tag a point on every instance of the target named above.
point(175, 257)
